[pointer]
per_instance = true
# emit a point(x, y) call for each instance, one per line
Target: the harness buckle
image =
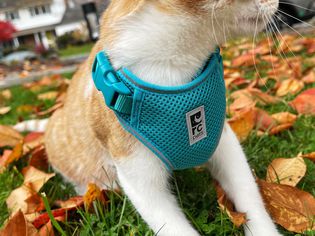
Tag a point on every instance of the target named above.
point(117, 95)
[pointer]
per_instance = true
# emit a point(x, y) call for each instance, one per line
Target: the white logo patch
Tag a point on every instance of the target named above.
point(196, 123)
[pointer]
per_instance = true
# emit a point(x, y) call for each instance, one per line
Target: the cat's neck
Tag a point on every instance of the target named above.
point(161, 48)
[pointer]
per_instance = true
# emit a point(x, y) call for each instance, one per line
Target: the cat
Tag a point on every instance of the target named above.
point(163, 42)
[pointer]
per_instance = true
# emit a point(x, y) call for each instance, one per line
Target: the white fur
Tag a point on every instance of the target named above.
point(168, 50)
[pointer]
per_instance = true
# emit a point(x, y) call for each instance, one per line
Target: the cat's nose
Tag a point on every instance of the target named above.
point(268, 7)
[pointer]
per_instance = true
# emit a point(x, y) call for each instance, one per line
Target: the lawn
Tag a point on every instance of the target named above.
point(194, 188)
point(76, 50)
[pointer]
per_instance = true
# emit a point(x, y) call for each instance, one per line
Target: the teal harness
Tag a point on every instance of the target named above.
point(182, 125)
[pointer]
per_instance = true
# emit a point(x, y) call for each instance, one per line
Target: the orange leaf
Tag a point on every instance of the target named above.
point(94, 193)
point(39, 158)
point(243, 123)
point(245, 60)
point(290, 207)
point(304, 103)
point(290, 86)
point(287, 171)
point(280, 128)
point(226, 205)
point(16, 154)
point(310, 156)
point(264, 121)
point(18, 226)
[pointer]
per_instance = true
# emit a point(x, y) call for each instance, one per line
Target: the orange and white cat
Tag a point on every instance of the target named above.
point(164, 42)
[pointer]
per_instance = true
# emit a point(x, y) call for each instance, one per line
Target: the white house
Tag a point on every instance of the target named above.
point(41, 21)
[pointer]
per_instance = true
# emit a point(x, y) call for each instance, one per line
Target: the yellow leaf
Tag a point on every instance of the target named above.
point(284, 117)
point(287, 171)
point(290, 86)
point(48, 95)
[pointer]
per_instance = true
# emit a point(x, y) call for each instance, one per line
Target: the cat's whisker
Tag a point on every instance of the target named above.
point(293, 17)
point(296, 5)
point(265, 18)
point(212, 23)
point(254, 44)
point(279, 18)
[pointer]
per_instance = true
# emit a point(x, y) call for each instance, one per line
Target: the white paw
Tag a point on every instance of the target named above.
point(261, 230)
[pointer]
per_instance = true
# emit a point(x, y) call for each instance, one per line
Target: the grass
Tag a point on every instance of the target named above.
point(76, 50)
point(195, 188)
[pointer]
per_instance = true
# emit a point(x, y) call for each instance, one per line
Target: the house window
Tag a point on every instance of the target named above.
point(12, 15)
point(39, 10)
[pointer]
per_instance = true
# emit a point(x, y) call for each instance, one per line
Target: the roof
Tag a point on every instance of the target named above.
point(14, 4)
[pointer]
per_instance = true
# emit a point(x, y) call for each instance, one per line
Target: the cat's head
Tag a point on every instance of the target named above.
point(233, 17)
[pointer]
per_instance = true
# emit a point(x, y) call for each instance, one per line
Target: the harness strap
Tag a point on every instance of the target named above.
point(117, 95)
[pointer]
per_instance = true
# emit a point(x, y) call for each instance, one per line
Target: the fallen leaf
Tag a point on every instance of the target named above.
point(16, 154)
point(33, 181)
point(94, 193)
point(18, 226)
point(287, 171)
point(226, 205)
point(3, 159)
point(243, 123)
point(39, 158)
point(304, 103)
point(263, 98)
point(264, 121)
point(290, 207)
point(9, 136)
point(290, 86)
point(245, 60)
point(284, 117)
point(309, 78)
point(310, 156)
point(4, 110)
point(32, 140)
point(48, 95)
point(279, 128)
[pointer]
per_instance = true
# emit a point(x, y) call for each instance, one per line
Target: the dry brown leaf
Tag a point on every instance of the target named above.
point(284, 117)
point(4, 110)
point(33, 140)
point(310, 156)
point(33, 181)
point(226, 205)
point(280, 128)
point(290, 86)
point(304, 103)
point(6, 94)
point(309, 78)
point(264, 121)
point(270, 58)
point(9, 136)
point(3, 159)
point(18, 226)
point(263, 98)
point(287, 171)
point(243, 123)
point(48, 95)
point(39, 158)
point(290, 207)
point(245, 60)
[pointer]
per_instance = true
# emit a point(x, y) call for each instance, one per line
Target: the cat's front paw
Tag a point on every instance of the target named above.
point(261, 230)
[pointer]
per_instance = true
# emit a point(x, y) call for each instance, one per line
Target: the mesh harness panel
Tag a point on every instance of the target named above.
point(182, 125)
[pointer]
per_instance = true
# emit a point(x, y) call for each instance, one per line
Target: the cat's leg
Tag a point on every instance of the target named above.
point(229, 166)
point(144, 179)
